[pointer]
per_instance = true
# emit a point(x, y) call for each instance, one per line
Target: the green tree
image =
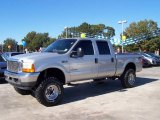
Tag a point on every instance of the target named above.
point(36, 40)
point(110, 31)
point(89, 29)
point(85, 28)
point(141, 28)
point(152, 45)
point(10, 45)
point(144, 27)
point(29, 38)
point(51, 40)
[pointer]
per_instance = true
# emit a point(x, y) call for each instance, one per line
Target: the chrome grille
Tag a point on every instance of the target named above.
point(13, 66)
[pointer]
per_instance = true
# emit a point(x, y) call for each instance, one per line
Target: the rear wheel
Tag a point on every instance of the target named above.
point(22, 92)
point(128, 78)
point(49, 92)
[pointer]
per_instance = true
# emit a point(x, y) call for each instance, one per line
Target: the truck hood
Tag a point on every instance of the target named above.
point(32, 57)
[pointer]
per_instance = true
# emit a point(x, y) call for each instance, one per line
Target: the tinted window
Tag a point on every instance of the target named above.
point(103, 48)
point(86, 46)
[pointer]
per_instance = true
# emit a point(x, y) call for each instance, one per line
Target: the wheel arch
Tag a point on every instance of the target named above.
point(51, 72)
point(130, 65)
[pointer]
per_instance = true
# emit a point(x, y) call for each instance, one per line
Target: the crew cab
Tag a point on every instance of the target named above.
point(69, 60)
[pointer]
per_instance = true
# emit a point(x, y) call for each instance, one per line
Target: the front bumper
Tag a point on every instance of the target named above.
point(22, 80)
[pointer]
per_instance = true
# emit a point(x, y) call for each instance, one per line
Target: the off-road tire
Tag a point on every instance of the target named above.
point(40, 91)
point(125, 78)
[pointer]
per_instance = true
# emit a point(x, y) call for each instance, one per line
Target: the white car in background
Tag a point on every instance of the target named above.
point(152, 60)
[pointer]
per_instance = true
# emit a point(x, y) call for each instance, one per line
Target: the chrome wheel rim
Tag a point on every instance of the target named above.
point(131, 79)
point(51, 92)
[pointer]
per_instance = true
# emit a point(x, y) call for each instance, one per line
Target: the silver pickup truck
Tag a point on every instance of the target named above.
point(69, 60)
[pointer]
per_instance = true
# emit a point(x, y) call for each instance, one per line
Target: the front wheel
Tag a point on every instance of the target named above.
point(49, 92)
point(128, 78)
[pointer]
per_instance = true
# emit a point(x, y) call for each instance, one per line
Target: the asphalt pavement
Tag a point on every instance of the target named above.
point(89, 100)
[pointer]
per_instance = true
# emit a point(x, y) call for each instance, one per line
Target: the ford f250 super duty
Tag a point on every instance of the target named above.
point(69, 60)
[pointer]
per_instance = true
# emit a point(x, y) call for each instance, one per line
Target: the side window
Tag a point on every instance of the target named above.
point(103, 48)
point(86, 46)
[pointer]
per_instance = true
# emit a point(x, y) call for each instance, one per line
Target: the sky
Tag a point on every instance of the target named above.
point(18, 17)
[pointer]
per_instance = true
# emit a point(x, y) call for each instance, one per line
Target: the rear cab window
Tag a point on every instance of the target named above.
point(103, 48)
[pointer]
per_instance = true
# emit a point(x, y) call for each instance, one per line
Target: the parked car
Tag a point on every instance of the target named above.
point(149, 58)
point(145, 62)
point(3, 65)
point(3, 61)
point(156, 57)
point(69, 60)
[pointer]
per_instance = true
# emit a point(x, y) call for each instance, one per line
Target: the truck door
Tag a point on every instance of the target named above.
point(84, 67)
point(106, 61)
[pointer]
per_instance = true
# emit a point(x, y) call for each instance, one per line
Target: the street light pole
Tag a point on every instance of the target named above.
point(122, 23)
point(66, 31)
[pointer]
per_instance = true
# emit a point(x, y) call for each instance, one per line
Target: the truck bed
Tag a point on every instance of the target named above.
point(122, 59)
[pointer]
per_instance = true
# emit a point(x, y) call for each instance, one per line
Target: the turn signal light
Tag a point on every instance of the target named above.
point(29, 70)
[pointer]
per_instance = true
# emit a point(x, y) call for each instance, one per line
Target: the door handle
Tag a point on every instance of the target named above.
point(112, 59)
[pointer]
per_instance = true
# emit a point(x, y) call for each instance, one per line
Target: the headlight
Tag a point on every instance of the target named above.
point(28, 67)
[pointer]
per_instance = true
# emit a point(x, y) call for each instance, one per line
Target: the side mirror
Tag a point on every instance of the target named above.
point(80, 52)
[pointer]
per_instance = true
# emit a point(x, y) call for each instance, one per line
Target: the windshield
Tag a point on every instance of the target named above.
point(60, 46)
